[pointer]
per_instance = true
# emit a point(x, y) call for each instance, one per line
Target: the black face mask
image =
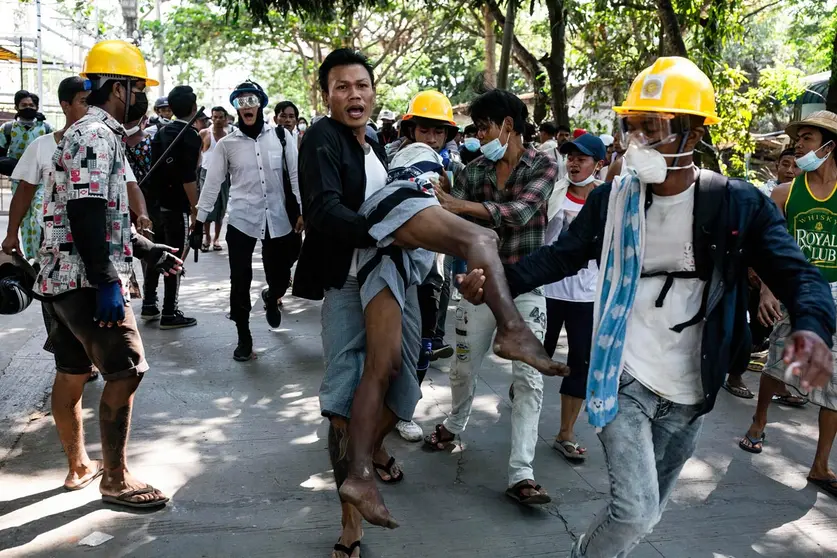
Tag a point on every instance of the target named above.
point(28, 113)
point(139, 108)
point(253, 130)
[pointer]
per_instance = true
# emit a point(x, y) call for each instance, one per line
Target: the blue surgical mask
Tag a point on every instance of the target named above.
point(494, 150)
point(471, 144)
point(810, 162)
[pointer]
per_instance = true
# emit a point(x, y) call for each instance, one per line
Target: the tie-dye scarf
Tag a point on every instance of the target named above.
point(622, 249)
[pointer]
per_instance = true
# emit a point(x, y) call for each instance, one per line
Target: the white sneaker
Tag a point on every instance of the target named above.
point(410, 431)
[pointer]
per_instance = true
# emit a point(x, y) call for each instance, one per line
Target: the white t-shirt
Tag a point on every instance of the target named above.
point(376, 179)
point(664, 361)
point(35, 165)
point(581, 287)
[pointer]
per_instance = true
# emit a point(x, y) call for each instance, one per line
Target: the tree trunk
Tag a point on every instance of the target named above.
point(529, 65)
point(555, 61)
point(670, 27)
point(831, 97)
point(490, 49)
point(505, 52)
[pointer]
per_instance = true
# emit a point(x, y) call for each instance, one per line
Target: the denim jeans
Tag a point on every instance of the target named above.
point(475, 327)
point(645, 447)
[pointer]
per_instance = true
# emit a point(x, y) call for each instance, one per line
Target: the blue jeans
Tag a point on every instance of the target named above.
point(645, 447)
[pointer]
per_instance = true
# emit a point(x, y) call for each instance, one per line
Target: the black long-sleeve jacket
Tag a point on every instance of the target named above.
point(332, 180)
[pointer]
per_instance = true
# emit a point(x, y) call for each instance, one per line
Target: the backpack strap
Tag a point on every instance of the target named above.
point(291, 205)
point(710, 201)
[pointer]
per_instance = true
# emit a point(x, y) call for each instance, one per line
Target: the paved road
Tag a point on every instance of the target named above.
point(241, 448)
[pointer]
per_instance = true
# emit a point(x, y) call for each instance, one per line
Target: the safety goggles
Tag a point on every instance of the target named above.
point(247, 101)
point(651, 128)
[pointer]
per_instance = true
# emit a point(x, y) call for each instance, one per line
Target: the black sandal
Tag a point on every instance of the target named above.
point(428, 440)
point(347, 550)
point(516, 492)
point(388, 470)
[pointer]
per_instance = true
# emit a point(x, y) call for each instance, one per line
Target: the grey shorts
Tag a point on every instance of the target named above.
point(344, 349)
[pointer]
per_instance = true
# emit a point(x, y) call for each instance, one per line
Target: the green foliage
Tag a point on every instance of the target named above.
point(741, 102)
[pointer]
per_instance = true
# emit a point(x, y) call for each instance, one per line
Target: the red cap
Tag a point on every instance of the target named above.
point(579, 132)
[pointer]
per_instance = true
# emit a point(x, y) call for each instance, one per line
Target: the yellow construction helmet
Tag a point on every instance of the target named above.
point(431, 105)
point(672, 85)
point(116, 58)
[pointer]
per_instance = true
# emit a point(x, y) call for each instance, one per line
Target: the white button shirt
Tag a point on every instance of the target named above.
point(257, 194)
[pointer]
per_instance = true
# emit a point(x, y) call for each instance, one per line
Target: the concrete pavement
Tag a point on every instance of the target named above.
point(241, 448)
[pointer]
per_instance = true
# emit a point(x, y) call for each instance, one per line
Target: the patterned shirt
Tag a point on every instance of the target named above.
point(89, 163)
point(16, 136)
point(139, 157)
point(518, 211)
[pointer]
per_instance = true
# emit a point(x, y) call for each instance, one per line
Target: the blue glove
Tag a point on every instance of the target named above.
point(110, 304)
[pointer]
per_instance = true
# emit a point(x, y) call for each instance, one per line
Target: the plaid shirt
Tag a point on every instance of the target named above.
point(518, 212)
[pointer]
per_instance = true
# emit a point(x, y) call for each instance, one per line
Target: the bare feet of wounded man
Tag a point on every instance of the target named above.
point(517, 342)
point(363, 494)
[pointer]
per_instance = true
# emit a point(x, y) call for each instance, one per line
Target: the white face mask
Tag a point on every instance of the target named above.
point(131, 131)
point(584, 182)
point(302, 127)
point(810, 161)
point(648, 164)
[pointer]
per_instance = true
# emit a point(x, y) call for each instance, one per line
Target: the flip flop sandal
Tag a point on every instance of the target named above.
point(570, 450)
point(347, 550)
point(756, 444)
point(204, 248)
point(393, 479)
point(743, 393)
point(86, 482)
point(124, 499)
point(217, 247)
point(829, 486)
point(755, 366)
point(790, 400)
point(516, 493)
point(428, 440)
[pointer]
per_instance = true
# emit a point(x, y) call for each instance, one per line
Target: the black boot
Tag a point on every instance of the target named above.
point(244, 351)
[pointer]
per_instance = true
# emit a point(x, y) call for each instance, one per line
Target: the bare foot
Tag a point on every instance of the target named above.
point(80, 477)
point(363, 494)
point(517, 342)
point(118, 485)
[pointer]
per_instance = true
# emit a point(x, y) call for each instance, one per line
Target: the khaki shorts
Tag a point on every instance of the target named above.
point(80, 346)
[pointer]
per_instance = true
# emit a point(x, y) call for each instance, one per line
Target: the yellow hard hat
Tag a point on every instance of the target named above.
point(116, 58)
point(672, 85)
point(431, 105)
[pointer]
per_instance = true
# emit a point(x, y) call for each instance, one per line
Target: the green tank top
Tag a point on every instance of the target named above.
point(813, 224)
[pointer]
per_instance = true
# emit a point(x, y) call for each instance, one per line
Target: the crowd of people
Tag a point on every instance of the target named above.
point(670, 280)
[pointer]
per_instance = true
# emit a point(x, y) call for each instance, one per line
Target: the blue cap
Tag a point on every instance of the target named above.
point(588, 144)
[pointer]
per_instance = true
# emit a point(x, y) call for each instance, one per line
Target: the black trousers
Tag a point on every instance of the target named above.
point(170, 228)
point(578, 319)
point(278, 256)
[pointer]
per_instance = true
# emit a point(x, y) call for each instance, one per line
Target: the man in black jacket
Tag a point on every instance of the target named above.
point(371, 352)
point(176, 189)
point(670, 320)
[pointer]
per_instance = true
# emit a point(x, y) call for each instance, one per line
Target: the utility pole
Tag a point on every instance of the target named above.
point(161, 60)
point(505, 53)
point(40, 53)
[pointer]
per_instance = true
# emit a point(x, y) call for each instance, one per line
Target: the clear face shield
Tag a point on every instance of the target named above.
point(643, 133)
